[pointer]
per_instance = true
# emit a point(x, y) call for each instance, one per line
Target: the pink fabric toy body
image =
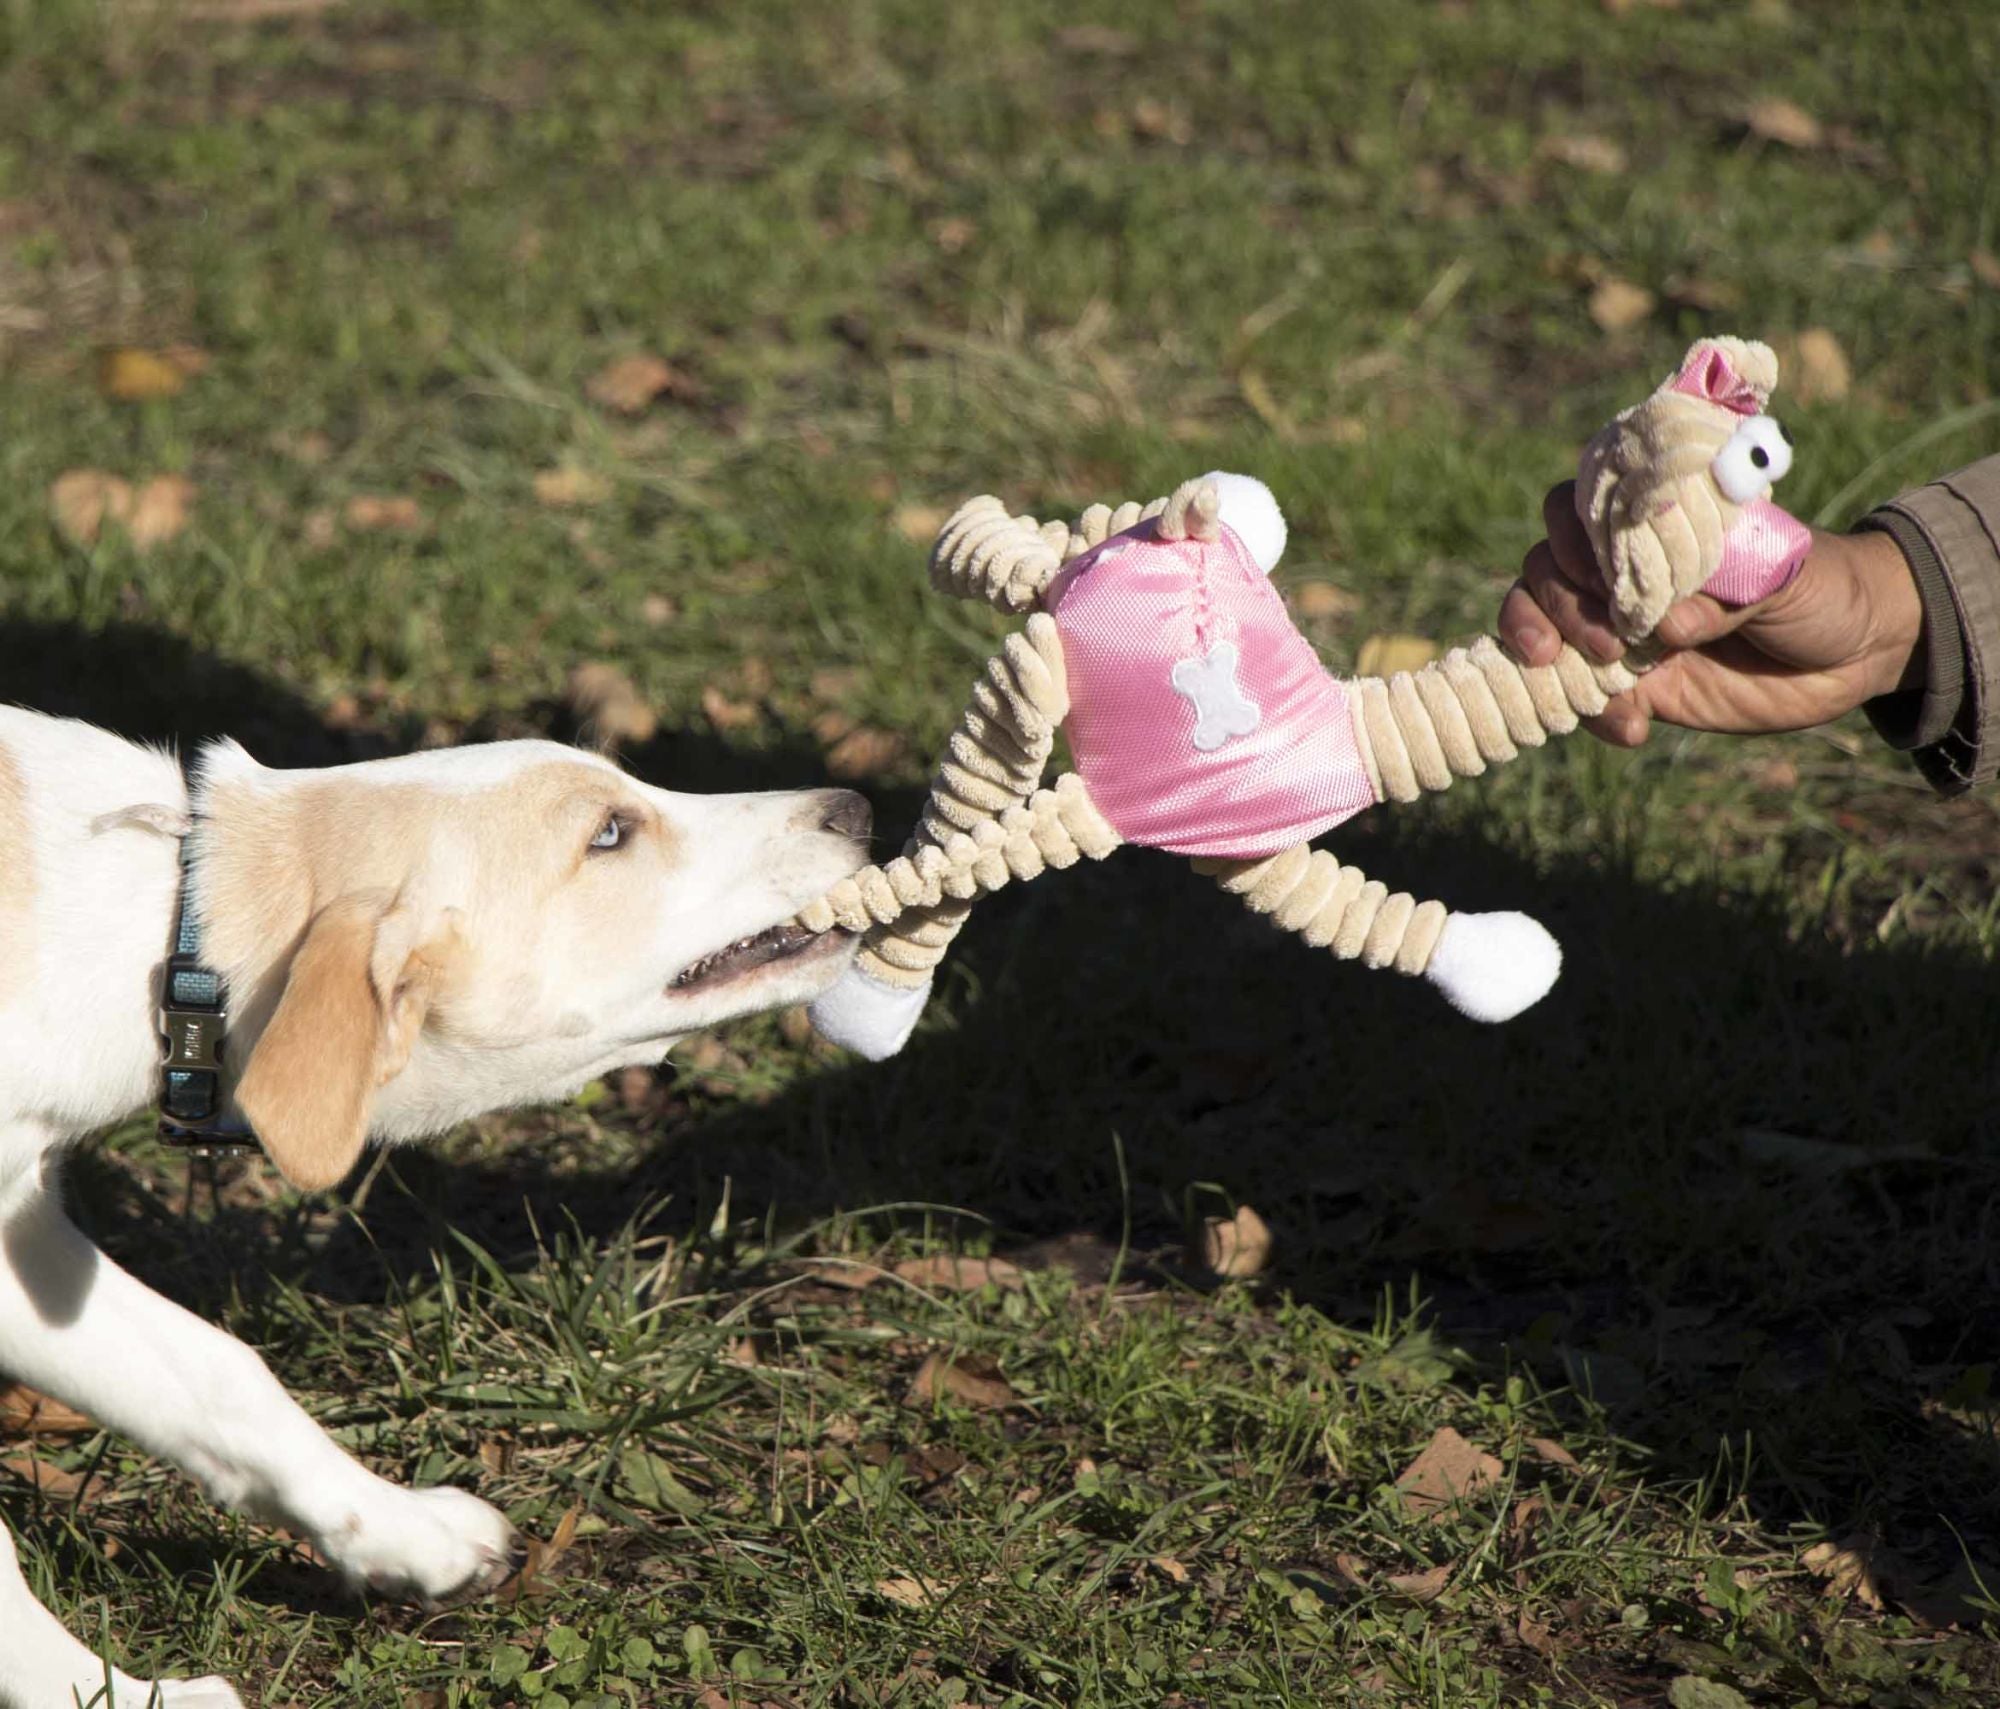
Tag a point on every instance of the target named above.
point(1202, 720)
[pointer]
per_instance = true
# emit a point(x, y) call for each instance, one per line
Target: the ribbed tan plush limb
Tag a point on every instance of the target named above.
point(1472, 708)
point(911, 909)
point(1331, 906)
point(986, 823)
point(1006, 561)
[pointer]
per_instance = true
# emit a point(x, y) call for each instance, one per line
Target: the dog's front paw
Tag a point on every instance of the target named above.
point(425, 1544)
point(209, 1693)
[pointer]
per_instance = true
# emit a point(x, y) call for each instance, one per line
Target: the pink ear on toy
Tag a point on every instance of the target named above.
point(1710, 375)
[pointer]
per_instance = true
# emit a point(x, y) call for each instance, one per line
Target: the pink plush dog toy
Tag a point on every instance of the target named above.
point(1203, 723)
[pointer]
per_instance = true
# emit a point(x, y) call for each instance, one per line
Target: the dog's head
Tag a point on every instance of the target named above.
point(411, 942)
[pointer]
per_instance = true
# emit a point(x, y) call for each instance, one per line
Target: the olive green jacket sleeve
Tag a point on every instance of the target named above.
point(1949, 532)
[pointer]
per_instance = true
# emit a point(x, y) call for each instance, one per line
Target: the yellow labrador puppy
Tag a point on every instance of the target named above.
point(398, 945)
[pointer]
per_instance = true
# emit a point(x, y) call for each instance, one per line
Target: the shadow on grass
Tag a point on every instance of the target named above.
point(1739, 1190)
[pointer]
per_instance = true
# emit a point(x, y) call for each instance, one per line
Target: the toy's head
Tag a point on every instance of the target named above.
point(1676, 492)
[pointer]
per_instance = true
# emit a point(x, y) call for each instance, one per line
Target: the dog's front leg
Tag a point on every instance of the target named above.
point(43, 1667)
point(76, 1326)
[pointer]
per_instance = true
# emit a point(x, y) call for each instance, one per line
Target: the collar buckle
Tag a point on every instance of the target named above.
point(194, 1022)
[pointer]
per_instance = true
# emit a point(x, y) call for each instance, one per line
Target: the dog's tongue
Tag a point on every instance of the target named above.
point(1763, 550)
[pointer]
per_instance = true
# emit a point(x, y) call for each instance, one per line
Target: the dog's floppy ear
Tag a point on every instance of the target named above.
point(354, 1001)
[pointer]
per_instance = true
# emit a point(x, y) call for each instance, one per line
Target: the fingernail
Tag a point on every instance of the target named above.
point(1526, 641)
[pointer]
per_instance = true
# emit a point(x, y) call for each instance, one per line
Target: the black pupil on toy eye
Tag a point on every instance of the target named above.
point(1760, 457)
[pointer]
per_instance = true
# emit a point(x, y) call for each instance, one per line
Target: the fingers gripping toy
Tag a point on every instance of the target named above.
point(1202, 722)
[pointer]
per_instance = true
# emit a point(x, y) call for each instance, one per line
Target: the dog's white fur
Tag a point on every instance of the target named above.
point(407, 943)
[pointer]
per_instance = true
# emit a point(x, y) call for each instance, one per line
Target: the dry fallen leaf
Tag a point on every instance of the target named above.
point(1585, 152)
point(1448, 1470)
point(1351, 1569)
point(970, 1378)
point(1848, 1568)
point(1160, 122)
point(160, 510)
point(1534, 1634)
point(1550, 1453)
point(47, 1479)
point(919, 523)
point(383, 513)
point(1778, 120)
point(538, 1559)
point(1820, 372)
point(607, 704)
point(311, 447)
point(1529, 1512)
point(631, 383)
point(725, 713)
point(1618, 305)
point(834, 683)
point(1384, 655)
point(82, 500)
point(1322, 599)
point(909, 1592)
point(1170, 1568)
point(864, 753)
point(1235, 1246)
point(1423, 1586)
point(963, 1274)
point(1986, 268)
point(828, 727)
point(568, 488)
point(29, 1412)
point(131, 375)
point(658, 610)
point(952, 235)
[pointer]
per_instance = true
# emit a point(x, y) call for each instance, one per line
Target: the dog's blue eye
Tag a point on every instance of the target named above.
point(610, 834)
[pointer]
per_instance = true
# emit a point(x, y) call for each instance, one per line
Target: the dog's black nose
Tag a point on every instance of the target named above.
point(845, 814)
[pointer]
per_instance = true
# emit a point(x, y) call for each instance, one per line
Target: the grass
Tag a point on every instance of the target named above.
point(1714, 1226)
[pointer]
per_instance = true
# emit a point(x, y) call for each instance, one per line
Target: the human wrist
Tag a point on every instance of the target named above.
point(1895, 658)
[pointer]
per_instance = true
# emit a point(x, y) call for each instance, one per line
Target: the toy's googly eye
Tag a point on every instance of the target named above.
point(1758, 454)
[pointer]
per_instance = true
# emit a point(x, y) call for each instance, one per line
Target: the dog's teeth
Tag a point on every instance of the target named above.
point(783, 938)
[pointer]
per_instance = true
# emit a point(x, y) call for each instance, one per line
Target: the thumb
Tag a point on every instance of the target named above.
point(1701, 619)
point(1698, 620)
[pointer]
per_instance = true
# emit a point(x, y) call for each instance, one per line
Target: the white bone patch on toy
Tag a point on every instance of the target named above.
point(1221, 708)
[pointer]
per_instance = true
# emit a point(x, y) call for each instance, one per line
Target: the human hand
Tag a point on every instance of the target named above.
point(1847, 628)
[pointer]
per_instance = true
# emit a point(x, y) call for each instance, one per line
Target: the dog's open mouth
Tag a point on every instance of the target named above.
point(785, 942)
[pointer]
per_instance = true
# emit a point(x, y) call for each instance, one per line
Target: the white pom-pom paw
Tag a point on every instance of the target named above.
point(866, 1016)
point(1492, 966)
point(1251, 513)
